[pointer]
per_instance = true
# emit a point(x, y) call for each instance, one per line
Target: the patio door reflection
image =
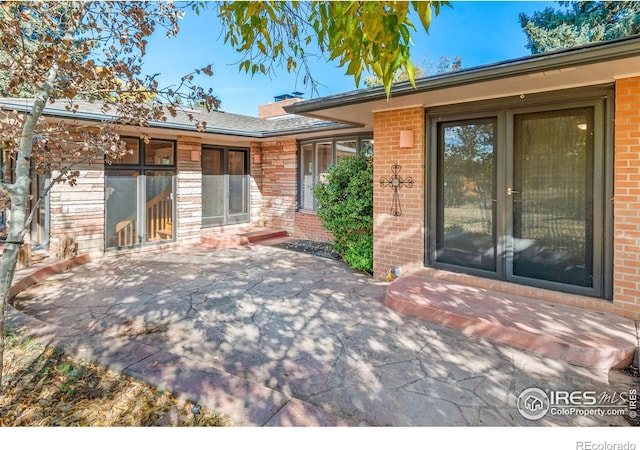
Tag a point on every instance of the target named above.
point(466, 231)
point(552, 196)
point(121, 193)
point(238, 186)
point(159, 206)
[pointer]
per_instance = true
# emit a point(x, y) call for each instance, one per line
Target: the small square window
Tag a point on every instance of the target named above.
point(159, 153)
point(133, 152)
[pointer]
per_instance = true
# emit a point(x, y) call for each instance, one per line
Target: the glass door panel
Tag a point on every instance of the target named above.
point(466, 231)
point(212, 187)
point(238, 186)
point(121, 200)
point(158, 208)
point(225, 186)
point(552, 196)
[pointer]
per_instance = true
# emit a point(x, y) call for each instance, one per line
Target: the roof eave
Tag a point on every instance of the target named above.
point(558, 60)
point(24, 107)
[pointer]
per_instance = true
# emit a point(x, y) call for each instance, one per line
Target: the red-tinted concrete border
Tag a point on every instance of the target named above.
point(575, 335)
point(28, 278)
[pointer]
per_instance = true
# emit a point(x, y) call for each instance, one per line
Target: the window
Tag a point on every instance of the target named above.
point(39, 183)
point(317, 156)
point(225, 186)
point(139, 195)
point(518, 192)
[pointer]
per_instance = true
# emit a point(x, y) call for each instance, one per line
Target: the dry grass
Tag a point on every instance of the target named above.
point(44, 387)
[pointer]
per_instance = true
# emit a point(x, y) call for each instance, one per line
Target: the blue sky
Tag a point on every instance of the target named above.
point(480, 32)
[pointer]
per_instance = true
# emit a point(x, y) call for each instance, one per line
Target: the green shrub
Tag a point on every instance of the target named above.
point(345, 207)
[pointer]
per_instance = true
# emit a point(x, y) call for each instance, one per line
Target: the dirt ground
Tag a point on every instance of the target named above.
point(43, 387)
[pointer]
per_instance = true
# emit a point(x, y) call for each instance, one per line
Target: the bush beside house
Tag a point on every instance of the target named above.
point(345, 207)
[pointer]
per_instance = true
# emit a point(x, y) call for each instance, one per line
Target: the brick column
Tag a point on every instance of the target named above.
point(188, 189)
point(626, 284)
point(78, 211)
point(279, 191)
point(398, 241)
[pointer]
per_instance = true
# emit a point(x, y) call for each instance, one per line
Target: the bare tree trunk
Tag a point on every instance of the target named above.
point(19, 196)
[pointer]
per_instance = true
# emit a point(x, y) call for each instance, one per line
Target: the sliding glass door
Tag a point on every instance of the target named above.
point(225, 186)
point(519, 196)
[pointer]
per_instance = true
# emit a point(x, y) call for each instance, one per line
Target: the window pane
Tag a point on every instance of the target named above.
point(121, 198)
point(324, 158)
point(237, 182)
point(553, 198)
point(367, 147)
point(159, 206)
point(159, 153)
point(466, 225)
point(306, 162)
point(346, 148)
point(133, 152)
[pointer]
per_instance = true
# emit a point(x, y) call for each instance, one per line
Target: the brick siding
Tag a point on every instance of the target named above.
point(626, 283)
point(188, 190)
point(279, 184)
point(398, 241)
point(309, 226)
point(78, 211)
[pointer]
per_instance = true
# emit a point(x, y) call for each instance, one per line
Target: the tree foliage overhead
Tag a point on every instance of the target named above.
point(64, 52)
point(363, 36)
point(80, 51)
point(579, 23)
point(445, 64)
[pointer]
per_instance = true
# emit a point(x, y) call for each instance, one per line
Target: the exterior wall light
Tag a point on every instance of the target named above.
point(406, 139)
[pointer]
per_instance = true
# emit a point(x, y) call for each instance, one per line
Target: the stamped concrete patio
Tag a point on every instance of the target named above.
point(278, 338)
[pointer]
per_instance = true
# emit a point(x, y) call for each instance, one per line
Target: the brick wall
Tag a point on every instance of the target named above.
point(309, 226)
point(626, 282)
point(279, 191)
point(78, 211)
point(398, 241)
point(188, 190)
point(276, 109)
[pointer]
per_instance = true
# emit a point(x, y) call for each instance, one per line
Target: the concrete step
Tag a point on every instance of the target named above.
point(263, 235)
point(240, 237)
point(578, 336)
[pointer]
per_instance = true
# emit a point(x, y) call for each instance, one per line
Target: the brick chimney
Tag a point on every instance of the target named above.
point(276, 108)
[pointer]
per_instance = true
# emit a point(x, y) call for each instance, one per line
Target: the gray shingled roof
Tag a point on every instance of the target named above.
point(218, 122)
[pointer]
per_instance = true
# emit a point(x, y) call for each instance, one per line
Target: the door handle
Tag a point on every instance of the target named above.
point(510, 191)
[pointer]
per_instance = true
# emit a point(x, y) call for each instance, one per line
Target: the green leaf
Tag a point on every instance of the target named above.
point(424, 12)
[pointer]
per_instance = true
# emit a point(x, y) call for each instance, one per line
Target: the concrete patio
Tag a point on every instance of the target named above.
point(278, 338)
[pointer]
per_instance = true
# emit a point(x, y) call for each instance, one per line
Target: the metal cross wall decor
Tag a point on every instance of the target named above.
point(396, 182)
